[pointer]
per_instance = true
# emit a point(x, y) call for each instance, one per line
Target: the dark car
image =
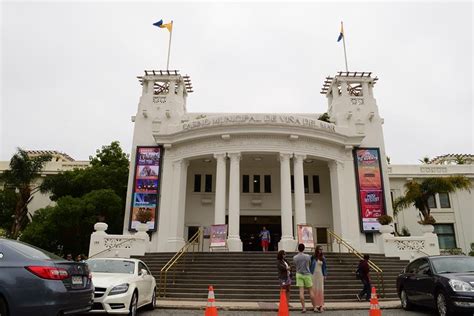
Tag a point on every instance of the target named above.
point(445, 283)
point(36, 282)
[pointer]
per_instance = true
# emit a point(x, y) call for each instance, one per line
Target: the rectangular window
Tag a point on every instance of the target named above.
point(197, 183)
point(446, 237)
point(208, 184)
point(369, 238)
point(316, 184)
point(432, 202)
point(245, 183)
point(321, 235)
point(292, 179)
point(306, 184)
point(391, 196)
point(267, 183)
point(256, 184)
point(444, 200)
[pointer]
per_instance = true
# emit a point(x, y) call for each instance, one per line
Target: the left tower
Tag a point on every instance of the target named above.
point(162, 104)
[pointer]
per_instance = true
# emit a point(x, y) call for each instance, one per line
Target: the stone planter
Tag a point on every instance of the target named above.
point(427, 229)
point(141, 227)
point(100, 228)
point(386, 229)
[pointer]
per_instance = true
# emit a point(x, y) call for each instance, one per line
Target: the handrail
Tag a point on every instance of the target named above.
point(174, 261)
point(352, 250)
point(115, 246)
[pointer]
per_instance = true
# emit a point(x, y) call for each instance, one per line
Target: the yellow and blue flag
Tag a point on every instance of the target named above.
point(160, 24)
point(341, 34)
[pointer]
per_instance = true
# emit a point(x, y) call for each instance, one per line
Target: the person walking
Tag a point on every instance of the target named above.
point(319, 270)
point(363, 270)
point(284, 273)
point(265, 238)
point(303, 276)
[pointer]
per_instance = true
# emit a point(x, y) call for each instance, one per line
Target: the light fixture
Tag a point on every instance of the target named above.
point(207, 160)
point(308, 160)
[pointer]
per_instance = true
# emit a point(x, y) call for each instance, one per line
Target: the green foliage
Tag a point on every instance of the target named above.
point(8, 199)
point(324, 117)
point(418, 193)
point(66, 227)
point(385, 219)
point(471, 253)
point(425, 160)
point(405, 232)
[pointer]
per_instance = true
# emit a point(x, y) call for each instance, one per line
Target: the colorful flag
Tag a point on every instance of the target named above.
point(341, 34)
point(160, 24)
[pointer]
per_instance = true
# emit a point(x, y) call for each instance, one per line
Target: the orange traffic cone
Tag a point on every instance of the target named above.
point(374, 304)
point(283, 309)
point(211, 309)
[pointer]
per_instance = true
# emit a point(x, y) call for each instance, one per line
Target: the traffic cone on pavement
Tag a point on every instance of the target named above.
point(211, 309)
point(374, 304)
point(283, 307)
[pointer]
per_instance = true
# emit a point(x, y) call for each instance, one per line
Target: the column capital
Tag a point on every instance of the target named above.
point(182, 162)
point(299, 157)
point(219, 156)
point(283, 156)
point(334, 165)
point(234, 155)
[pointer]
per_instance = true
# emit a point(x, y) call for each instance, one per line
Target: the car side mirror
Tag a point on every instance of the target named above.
point(144, 272)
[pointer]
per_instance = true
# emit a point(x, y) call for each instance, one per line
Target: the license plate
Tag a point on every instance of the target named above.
point(77, 280)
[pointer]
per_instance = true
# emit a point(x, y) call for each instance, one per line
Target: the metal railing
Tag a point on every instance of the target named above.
point(178, 261)
point(114, 247)
point(340, 242)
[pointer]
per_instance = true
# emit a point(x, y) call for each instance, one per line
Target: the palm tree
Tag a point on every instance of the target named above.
point(418, 194)
point(425, 160)
point(23, 170)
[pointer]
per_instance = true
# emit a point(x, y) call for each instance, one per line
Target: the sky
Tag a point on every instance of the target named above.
point(68, 69)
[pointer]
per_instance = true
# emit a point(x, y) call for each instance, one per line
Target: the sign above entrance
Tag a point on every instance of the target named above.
point(246, 119)
point(370, 191)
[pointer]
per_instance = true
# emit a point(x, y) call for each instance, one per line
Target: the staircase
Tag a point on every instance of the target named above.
point(252, 276)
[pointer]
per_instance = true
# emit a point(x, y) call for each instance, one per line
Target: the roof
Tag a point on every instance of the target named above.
point(56, 154)
point(453, 158)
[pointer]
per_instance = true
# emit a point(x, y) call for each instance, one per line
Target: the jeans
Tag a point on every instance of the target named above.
point(366, 289)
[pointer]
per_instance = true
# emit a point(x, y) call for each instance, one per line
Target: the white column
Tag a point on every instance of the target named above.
point(234, 243)
point(287, 241)
point(300, 207)
point(219, 211)
point(335, 170)
point(176, 232)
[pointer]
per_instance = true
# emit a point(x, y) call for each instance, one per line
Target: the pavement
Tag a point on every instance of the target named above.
point(270, 306)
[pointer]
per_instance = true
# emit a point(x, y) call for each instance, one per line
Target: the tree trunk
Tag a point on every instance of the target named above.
point(21, 211)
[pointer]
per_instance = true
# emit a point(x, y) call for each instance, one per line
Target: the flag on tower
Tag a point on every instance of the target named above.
point(160, 24)
point(341, 34)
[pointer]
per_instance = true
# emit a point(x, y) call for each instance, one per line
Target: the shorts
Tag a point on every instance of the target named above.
point(304, 280)
point(265, 243)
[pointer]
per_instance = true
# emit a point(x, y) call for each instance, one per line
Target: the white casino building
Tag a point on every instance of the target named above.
point(277, 170)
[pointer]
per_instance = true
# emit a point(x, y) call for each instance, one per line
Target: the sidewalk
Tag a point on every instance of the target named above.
point(270, 306)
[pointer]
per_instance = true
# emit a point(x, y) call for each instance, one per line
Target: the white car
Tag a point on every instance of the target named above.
point(121, 285)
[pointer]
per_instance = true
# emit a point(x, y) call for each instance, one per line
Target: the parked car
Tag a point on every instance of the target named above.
point(36, 282)
point(445, 283)
point(122, 285)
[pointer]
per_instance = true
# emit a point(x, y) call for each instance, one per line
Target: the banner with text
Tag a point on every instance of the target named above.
point(146, 187)
point(370, 190)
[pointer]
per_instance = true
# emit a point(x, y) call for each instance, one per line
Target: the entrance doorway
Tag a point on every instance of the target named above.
point(250, 227)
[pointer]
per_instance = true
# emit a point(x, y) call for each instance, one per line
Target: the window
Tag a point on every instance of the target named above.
point(306, 184)
point(424, 267)
point(245, 183)
point(197, 183)
point(316, 184)
point(369, 238)
point(391, 196)
point(256, 184)
point(412, 268)
point(292, 184)
point(267, 183)
point(446, 237)
point(444, 200)
point(208, 184)
point(432, 202)
point(321, 235)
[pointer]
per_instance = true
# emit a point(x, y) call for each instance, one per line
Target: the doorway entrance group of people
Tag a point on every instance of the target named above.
point(252, 231)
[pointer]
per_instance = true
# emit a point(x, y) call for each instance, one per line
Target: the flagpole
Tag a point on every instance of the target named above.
point(169, 47)
point(344, 43)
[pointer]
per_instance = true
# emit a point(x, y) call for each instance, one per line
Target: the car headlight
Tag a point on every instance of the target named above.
point(119, 289)
point(460, 286)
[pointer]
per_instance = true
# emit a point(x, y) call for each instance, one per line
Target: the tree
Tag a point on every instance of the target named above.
point(418, 194)
point(67, 226)
point(23, 171)
point(324, 117)
point(425, 160)
point(8, 199)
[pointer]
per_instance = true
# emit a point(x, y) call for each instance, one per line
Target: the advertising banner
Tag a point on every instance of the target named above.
point(218, 235)
point(369, 187)
point(146, 187)
point(305, 236)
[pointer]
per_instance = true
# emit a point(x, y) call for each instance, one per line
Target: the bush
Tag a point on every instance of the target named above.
point(385, 219)
point(405, 232)
point(428, 220)
point(471, 253)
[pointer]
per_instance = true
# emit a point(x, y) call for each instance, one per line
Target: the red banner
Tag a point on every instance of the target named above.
point(369, 187)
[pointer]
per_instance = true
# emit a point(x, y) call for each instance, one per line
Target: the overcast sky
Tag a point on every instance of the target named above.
point(69, 69)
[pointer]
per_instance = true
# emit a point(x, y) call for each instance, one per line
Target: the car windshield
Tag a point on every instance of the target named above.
point(111, 266)
point(453, 264)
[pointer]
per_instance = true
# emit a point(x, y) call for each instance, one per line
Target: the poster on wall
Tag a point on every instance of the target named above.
point(218, 235)
point(370, 191)
point(305, 236)
point(146, 187)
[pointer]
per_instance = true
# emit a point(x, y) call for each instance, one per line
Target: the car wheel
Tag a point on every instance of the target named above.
point(151, 306)
point(442, 305)
point(406, 304)
point(133, 305)
point(3, 308)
